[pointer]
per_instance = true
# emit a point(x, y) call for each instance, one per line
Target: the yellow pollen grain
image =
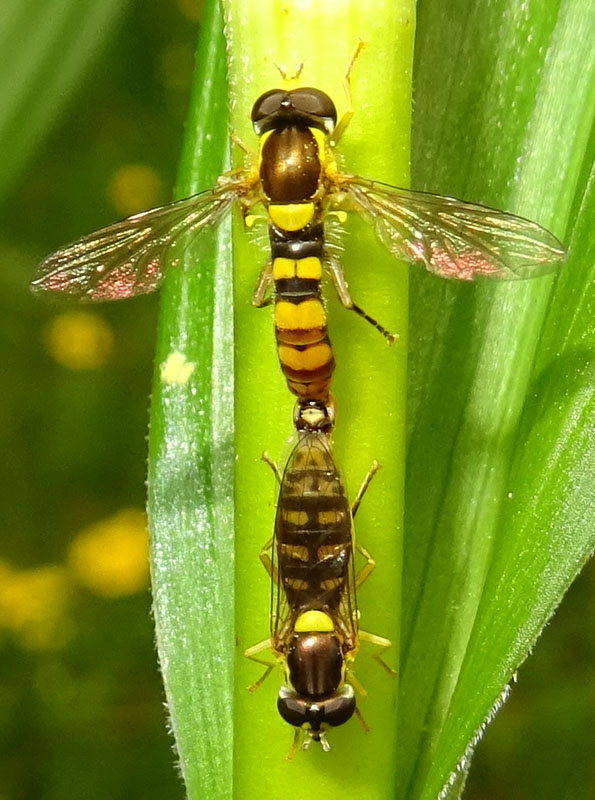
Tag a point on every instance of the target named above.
point(176, 370)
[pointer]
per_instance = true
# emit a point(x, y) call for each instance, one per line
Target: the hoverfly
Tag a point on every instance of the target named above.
point(314, 618)
point(297, 181)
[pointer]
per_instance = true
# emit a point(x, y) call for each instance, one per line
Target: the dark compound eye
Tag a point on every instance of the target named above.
point(332, 712)
point(267, 104)
point(338, 709)
point(314, 103)
point(293, 709)
point(307, 106)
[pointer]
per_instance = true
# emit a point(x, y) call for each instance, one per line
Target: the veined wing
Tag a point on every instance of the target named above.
point(128, 258)
point(450, 237)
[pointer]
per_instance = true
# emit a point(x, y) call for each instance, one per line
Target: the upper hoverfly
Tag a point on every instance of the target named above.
point(297, 181)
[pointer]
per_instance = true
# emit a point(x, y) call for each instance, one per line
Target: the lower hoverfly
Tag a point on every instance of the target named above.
point(314, 619)
point(296, 179)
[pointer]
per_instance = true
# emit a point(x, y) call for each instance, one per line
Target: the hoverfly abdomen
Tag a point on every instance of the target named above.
point(303, 345)
point(313, 528)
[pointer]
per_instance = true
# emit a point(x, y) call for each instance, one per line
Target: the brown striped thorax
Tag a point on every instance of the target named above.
point(296, 179)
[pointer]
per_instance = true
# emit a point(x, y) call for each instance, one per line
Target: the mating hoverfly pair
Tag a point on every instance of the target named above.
point(314, 624)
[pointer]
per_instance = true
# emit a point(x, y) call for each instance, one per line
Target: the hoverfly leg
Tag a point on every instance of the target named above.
point(239, 142)
point(364, 487)
point(342, 289)
point(295, 745)
point(252, 654)
point(343, 123)
point(391, 338)
point(383, 643)
point(263, 295)
point(268, 460)
point(367, 569)
point(356, 683)
point(360, 716)
point(266, 560)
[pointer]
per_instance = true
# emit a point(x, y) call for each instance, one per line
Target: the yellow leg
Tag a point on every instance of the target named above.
point(367, 569)
point(252, 653)
point(263, 292)
point(360, 716)
point(268, 460)
point(364, 487)
point(341, 126)
point(353, 681)
point(267, 561)
point(382, 642)
point(295, 744)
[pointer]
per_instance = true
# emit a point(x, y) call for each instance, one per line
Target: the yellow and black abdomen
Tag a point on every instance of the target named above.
point(290, 171)
point(304, 348)
point(313, 528)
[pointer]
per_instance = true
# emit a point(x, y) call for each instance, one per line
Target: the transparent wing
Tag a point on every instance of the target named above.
point(452, 238)
point(129, 257)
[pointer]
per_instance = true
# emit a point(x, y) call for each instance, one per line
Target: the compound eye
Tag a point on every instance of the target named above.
point(314, 103)
point(267, 104)
point(292, 708)
point(337, 710)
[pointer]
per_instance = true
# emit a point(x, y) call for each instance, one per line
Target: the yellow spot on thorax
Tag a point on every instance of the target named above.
point(291, 216)
point(314, 621)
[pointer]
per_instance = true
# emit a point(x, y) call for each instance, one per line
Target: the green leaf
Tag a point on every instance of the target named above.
point(46, 50)
point(191, 459)
point(499, 497)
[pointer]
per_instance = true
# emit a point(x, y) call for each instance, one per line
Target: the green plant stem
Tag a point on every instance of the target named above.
point(191, 460)
point(369, 384)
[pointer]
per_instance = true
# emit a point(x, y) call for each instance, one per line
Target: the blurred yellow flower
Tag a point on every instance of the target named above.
point(193, 9)
point(175, 65)
point(111, 558)
point(33, 604)
point(79, 340)
point(133, 188)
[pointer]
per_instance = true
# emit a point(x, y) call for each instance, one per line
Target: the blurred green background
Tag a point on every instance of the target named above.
point(92, 107)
